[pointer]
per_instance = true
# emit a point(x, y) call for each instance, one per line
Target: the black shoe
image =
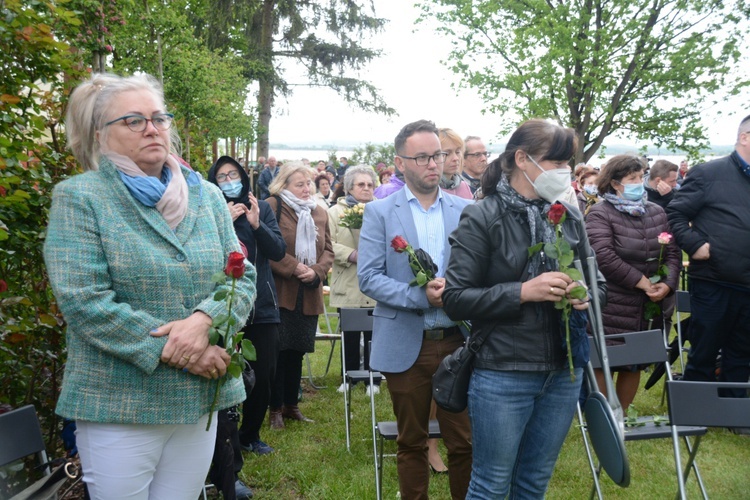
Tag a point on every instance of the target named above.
point(242, 491)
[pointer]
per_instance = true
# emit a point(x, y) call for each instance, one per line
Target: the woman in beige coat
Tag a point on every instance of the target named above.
point(359, 184)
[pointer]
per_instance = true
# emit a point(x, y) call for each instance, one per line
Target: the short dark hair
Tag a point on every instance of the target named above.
point(662, 168)
point(617, 168)
point(319, 178)
point(410, 129)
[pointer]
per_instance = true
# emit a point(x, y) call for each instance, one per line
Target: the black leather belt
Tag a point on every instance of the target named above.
point(440, 334)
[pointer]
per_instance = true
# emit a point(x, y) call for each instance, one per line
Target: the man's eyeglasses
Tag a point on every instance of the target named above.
point(233, 175)
point(138, 123)
point(424, 160)
point(478, 154)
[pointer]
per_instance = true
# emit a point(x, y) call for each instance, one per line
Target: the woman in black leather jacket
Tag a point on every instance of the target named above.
point(521, 396)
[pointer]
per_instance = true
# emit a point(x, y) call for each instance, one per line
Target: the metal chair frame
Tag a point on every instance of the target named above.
point(354, 320)
point(648, 347)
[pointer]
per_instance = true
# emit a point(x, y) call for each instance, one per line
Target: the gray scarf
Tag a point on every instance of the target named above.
point(304, 244)
point(539, 227)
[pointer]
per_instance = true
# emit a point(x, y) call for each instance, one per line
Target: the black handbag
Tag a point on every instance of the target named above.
point(450, 383)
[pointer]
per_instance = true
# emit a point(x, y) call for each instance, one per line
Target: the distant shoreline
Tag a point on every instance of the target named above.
point(714, 150)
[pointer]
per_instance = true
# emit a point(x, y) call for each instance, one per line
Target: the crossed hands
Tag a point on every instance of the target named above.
point(654, 291)
point(187, 347)
point(552, 286)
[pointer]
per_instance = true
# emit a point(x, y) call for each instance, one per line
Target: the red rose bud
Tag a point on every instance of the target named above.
point(664, 238)
point(399, 244)
point(557, 213)
point(235, 265)
point(3, 286)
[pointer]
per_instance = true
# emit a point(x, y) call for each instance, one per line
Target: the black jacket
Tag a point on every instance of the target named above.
point(488, 262)
point(713, 205)
point(262, 244)
point(655, 196)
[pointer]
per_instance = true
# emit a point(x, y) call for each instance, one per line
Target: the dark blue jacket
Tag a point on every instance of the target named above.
point(262, 244)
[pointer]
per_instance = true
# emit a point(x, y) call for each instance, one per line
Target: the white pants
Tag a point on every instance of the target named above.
point(145, 462)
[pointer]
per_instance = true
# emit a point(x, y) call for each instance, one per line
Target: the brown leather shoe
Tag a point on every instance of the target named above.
point(275, 419)
point(293, 413)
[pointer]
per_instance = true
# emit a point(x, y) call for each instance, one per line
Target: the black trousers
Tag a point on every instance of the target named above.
point(227, 459)
point(719, 322)
point(285, 391)
point(265, 338)
point(351, 350)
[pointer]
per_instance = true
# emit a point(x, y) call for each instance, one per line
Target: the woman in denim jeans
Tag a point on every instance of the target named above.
point(521, 396)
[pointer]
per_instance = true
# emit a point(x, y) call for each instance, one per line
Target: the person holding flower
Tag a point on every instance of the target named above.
point(521, 395)
point(359, 184)
point(411, 332)
point(299, 279)
point(624, 232)
point(131, 250)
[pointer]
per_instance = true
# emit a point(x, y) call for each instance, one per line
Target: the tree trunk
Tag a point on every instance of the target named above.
point(266, 83)
point(234, 148)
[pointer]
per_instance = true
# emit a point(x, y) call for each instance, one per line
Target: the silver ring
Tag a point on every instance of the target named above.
point(552, 290)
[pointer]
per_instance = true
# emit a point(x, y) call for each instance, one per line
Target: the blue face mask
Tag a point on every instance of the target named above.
point(231, 189)
point(590, 189)
point(633, 192)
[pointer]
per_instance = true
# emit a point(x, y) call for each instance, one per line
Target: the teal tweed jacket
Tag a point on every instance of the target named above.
point(118, 271)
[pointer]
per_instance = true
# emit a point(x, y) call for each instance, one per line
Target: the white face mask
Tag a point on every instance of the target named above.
point(550, 185)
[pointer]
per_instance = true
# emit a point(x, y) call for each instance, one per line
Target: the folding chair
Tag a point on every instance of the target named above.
point(699, 404)
point(682, 306)
point(648, 347)
point(320, 336)
point(354, 320)
point(21, 436)
point(387, 431)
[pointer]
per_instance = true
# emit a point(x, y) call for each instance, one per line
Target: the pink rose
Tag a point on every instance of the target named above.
point(664, 238)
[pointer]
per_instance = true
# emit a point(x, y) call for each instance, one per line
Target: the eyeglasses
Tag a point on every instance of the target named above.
point(233, 175)
point(138, 123)
point(362, 185)
point(424, 160)
point(478, 154)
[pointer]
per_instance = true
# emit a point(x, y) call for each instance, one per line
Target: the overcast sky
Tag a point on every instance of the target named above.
point(413, 81)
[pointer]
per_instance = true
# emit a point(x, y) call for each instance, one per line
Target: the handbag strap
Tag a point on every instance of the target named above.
point(474, 342)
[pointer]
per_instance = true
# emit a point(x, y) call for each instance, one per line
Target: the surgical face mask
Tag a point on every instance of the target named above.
point(550, 185)
point(590, 189)
point(632, 192)
point(231, 189)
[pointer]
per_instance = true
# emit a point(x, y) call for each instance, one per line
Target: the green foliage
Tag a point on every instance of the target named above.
point(323, 38)
point(205, 88)
point(33, 58)
point(372, 154)
point(647, 69)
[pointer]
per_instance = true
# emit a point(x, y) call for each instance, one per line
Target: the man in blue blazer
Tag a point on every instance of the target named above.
point(411, 333)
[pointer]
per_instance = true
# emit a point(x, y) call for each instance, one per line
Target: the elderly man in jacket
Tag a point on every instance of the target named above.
point(411, 332)
point(709, 217)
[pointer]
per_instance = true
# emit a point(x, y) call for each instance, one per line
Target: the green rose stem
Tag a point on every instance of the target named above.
point(229, 345)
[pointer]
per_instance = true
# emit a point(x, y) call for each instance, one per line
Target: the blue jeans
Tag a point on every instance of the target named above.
point(519, 421)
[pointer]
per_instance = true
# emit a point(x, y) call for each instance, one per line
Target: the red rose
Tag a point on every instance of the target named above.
point(3, 286)
point(235, 265)
point(2, 191)
point(557, 213)
point(399, 244)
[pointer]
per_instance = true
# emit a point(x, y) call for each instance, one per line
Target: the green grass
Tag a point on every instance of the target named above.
point(311, 460)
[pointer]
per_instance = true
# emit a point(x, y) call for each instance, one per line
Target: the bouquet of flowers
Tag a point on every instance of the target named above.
point(238, 348)
point(352, 216)
point(561, 250)
point(652, 309)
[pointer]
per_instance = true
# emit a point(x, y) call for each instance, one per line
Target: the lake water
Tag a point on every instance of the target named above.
point(314, 155)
